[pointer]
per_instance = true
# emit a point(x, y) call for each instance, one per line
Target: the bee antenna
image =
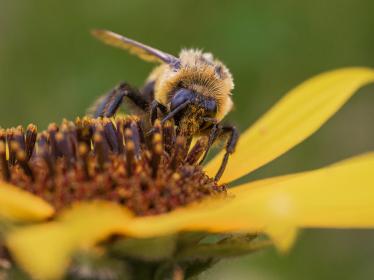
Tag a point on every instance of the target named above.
point(171, 114)
point(176, 111)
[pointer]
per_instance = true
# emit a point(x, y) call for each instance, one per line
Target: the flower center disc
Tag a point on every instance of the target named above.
point(110, 159)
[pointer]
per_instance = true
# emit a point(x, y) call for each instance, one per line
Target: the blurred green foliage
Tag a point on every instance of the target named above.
point(50, 68)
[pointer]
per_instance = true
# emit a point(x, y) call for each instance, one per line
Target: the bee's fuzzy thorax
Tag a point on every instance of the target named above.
point(199, 72)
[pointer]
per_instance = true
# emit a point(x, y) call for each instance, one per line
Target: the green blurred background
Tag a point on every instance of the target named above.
point(50, 68)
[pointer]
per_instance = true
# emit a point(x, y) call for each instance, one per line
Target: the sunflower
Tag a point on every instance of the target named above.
point(89, 198)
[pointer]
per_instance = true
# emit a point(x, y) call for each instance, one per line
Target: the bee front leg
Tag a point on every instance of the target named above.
point(155, 106)
point(108, 105)
point(215, 131)
point(233, 137)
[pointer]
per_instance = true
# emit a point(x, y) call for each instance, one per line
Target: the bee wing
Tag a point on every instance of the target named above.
point(143, 51)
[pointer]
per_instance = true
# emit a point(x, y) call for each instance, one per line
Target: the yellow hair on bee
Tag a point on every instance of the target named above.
point(198, 72)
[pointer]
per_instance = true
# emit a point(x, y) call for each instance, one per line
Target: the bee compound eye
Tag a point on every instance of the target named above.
point(210, 106)
point(180, 97)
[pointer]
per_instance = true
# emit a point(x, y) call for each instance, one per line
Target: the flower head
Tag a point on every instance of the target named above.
point(92, 179)
point(103, 159)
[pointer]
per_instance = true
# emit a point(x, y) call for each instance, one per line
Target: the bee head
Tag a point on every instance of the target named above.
point(184, 101)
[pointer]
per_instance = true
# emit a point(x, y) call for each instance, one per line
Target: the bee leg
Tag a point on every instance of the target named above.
point(215, 131)
point(112, 102)
point(155, 106)
point(108, 105)
point(148, 91)
point(230, 147)
point(97, 109)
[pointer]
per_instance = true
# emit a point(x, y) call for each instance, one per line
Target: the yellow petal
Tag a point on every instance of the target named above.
point(295, 117)
point(16, 204)
point(42, 250)
point(339, 196)
point(260, 183)
point(45, 250)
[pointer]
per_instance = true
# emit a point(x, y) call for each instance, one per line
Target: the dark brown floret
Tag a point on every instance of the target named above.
point(110, 159)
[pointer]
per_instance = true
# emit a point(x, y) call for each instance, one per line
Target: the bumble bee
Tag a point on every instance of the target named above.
point(193, 90)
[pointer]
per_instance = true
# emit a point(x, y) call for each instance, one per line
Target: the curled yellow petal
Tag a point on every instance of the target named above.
point(45, 250)
point(295, 117)
point(19, 205)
